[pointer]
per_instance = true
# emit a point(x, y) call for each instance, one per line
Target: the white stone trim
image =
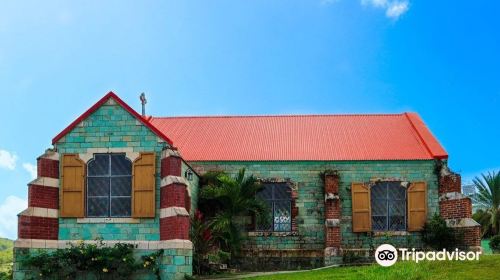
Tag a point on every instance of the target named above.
point(46, 182)
point(391, 233)
point(107, 221)
point(451, 196)
point(175, 244)
point(173, 211)
point(332, 222)
point(169, 153)
point(144, 245)
point(129, 153)
point(50, 154)
point(165, 181)
point(463, 222)
point(40, 212)
point(332, 251)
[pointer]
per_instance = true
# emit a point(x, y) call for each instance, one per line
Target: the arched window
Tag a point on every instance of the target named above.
point(388, 205)
point(109, 186)
point(278, 197)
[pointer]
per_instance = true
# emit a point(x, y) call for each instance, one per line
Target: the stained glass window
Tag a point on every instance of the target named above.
point(278, 198)
point(388, 204)
point(109, 186)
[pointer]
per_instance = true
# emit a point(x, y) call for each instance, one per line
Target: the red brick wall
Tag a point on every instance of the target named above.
point(456, 208)
point(31, 227)
point(471, 236)
point(332, 210)
point(332, 237)
point(173, 195)
point(48, 168)
point(450, 183)
point(331, 184)
point(175, 227)
point(171, 166)
point(42, 196)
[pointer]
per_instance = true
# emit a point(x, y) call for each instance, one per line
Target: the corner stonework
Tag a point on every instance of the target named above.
point(456, 209)
point(332, 220)
point(174, 216)
point(38, 225)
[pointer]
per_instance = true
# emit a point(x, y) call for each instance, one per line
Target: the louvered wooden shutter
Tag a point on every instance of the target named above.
point(361, 211)
point(72, 186)
point(143, 186)
point(417, 206)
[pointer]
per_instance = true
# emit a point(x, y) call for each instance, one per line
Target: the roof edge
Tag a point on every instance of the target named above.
point(428, 139)
point(272, 116)
point(97, 105)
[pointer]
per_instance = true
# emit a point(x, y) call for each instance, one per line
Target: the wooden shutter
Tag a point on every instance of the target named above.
point(72, 186)
point(143, 186)
point(361, 211)
point(417, 206)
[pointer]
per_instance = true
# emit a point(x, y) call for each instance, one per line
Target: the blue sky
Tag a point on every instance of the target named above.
point(437, 58)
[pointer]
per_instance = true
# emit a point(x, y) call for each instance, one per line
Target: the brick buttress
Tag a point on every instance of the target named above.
point(456, 209)
point(174, 198)
point(40, 220)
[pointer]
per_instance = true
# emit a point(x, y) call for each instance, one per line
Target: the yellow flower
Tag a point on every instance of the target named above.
point(124, 259)
point(104, 270)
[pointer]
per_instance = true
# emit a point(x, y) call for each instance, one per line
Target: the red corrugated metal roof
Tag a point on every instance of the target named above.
point(301, 137)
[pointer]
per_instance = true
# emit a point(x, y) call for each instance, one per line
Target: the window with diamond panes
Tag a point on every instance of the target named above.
point(109, 186)
point(278, 198)
point(388, 205)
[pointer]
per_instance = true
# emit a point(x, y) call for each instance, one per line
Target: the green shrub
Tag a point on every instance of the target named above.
point(437, 235)
point(96, 260)
point(495, 243)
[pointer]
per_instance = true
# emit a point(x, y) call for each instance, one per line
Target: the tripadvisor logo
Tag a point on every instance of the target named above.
point(387, 255)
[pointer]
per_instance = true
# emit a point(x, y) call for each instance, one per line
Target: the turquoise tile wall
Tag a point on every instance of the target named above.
point(311, 198)
point(111, 126)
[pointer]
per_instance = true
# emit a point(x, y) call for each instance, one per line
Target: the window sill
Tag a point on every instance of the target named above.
point(107, 221)
point(271, 233)
point(390, 233)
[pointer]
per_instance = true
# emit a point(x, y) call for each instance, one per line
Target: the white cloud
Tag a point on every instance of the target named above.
point(375, 3)
point(7, 160)
point(396, 9)
point(9, 209)
point(31, 169)
point(393, 8)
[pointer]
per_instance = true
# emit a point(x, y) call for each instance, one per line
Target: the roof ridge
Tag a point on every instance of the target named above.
point(414, 128)
point(277, 116)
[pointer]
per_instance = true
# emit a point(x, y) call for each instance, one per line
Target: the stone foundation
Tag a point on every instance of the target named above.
point(274, 260)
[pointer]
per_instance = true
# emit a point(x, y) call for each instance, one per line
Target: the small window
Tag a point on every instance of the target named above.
point(109, 186)
point(278, 197)
point(388, 205)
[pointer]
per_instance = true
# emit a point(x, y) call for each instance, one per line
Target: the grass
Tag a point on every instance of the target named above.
point(486, 268)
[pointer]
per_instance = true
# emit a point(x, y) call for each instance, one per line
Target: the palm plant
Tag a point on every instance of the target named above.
point(230, 199)
point(488, 196)
point(202, 240)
